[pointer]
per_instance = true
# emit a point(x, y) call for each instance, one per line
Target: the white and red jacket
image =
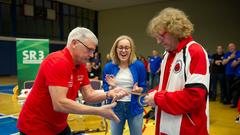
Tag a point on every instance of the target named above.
point(182, 93)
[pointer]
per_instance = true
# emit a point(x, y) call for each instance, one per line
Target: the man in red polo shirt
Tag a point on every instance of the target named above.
point(181, 97)
point(56, 86)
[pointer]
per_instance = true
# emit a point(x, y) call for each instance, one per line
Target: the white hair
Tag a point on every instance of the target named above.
point(82, 34)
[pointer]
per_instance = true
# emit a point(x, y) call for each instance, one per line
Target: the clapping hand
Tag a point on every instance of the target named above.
point(233, 55)
point(110, 80)
point(137, 90)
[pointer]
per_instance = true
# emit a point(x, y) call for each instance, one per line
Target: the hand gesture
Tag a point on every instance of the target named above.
point(149, 99)
point(107, 112)
point(218, 62)
point(110, 80)
point(232, 56)
point(137, 89)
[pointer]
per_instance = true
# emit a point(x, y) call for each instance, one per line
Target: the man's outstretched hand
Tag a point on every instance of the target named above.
point(106, 111)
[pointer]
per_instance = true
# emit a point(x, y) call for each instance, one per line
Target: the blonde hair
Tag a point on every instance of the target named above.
point(173, 21)
point(113, 52)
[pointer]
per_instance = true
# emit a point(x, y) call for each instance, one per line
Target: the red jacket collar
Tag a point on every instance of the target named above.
point(182, 44)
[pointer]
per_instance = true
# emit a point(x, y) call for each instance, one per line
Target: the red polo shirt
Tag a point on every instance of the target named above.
point(37, 116)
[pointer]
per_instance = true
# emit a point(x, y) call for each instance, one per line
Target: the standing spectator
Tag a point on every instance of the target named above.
point(127, 72)
point(108, 58)
point(229, 70)
point(154, 69)
point(145, 62)
point(236, 84)
point(180, 97)
point(210, 56)
point(218, 74)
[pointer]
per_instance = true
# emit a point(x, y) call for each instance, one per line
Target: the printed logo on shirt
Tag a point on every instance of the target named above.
point(80, 77)
point(70, 83)
point(178, 66)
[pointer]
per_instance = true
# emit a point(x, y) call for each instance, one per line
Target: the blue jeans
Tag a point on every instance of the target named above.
point(135, 123)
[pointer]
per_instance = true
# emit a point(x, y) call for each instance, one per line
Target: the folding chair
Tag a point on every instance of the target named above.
point(28, 84)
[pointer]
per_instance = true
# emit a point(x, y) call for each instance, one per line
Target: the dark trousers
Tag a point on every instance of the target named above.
point(235, 91)
point(215, 78)
point(66, 131)
point(153, 80)
point(229, 82)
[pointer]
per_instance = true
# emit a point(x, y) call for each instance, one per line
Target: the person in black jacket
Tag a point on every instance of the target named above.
point(218, 75)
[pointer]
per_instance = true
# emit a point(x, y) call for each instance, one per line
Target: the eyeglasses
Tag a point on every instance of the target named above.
point(163, 35)
point(91, 51)
point(160, 37)
point(123, 48)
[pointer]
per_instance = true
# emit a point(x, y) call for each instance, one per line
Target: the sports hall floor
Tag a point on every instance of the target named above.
point(222, 117)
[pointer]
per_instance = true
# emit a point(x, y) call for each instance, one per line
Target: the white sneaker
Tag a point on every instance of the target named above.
point(237, 120)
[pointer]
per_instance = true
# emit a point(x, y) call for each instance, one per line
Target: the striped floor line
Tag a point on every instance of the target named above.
point(8, 124)
point(7, 89)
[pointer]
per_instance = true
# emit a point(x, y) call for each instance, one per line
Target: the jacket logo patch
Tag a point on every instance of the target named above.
point(70, 83)
point(178, 66)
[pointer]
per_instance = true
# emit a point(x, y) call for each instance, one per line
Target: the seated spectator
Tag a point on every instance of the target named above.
point(97, 68)
point(92, 73)
point(97, 61)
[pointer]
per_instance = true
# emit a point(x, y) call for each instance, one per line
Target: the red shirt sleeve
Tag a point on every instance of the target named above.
point(180, 102)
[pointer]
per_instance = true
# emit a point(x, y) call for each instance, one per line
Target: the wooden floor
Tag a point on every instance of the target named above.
point(221, 118)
